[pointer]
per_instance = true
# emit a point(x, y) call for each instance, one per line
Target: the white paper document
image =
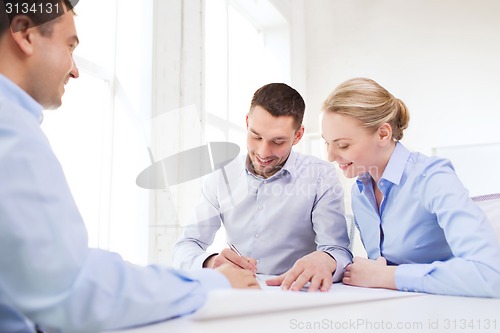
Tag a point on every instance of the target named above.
point(237, 302)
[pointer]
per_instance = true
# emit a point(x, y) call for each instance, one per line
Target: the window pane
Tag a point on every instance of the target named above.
point(216, 58)
point(246, 64)
point(78, 133)
point(95, 23)
point(238, 137)
point(214, 133)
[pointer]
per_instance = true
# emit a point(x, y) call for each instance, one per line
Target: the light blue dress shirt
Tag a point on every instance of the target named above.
point(277, 220)
point(48, 274)
point(442, 242)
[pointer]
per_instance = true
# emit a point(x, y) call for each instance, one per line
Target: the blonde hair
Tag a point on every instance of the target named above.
point(367, 101)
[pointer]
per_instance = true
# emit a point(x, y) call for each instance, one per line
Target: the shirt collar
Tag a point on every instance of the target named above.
point(290, 165)
point(18, 96)
point(397, 163)
point(393, 171)
point(363, 180)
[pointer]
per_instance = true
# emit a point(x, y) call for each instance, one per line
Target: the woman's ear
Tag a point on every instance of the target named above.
point(21, 33)
point(385, 133)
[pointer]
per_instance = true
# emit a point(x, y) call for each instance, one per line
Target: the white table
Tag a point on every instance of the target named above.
point(405, 312)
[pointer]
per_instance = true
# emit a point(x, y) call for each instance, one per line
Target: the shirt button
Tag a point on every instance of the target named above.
point(257, 261)
point(260, 207)
point(381, 183)
point(257, 235)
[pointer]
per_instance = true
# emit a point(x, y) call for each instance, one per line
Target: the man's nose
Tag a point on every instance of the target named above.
point(264, 150)
point(75, 73)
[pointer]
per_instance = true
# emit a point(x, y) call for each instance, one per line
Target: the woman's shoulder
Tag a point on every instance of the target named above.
point(424, 165)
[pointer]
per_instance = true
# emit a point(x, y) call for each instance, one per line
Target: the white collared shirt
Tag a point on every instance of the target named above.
point(278, 220)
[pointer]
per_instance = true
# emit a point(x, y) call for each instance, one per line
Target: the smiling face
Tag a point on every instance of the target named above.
point(52, 61)
point(270, 140)
point(355, 148)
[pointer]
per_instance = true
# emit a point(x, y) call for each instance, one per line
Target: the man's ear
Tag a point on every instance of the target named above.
point(298, 135)
point(23, 37)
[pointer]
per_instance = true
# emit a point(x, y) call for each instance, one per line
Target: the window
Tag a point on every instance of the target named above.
point(80, 132)
point(129, 82)
point(99, 133)
point(247, 45)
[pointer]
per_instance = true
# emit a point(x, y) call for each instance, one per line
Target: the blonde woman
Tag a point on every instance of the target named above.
point(420, 229)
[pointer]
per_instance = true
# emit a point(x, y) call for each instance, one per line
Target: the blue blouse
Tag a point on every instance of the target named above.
point(428, 225)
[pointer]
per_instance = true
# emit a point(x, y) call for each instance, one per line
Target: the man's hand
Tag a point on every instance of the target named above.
point(229, 256)
point(239, 278)
point(370, 273)
point(316, 267)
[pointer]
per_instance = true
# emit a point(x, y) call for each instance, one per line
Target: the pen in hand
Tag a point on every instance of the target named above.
point(235, 250)
point(232, 247)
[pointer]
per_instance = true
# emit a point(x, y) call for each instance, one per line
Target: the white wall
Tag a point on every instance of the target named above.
point(441, 57)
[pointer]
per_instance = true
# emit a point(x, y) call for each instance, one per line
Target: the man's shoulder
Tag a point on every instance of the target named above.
point(311, 161)
point(6, 105)
point(310, 167)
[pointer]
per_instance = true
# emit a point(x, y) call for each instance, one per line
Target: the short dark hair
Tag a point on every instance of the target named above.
point(42, 13)
point(279, 99)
